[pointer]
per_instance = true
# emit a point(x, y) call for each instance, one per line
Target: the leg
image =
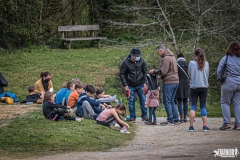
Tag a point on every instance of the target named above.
point(236, 104)
point(131, 102)
point(150, 109)
point(179, 103)
point(154, 115)
point(142, 100)
point(203, 100)
point(108, 121)
point(194, 98)
point(227, 90)
point(88, 112)
point(185, 109)
point(167, 102)
point(174, 108)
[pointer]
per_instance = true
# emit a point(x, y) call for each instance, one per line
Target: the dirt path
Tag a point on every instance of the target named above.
point(165, 142)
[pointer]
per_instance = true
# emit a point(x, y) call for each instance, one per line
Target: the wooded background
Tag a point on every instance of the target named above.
point(176, 22)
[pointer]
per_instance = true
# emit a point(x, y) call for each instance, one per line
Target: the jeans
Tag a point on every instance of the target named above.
point(184, 102)
point(169, 92)
point(131, 101)
point(152, 113)
point(108, 121)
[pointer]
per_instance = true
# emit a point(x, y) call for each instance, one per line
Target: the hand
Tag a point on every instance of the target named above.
point(151, 71)
point(126, 88)
point(145, 106)
point(127, 126)
point(68, 107)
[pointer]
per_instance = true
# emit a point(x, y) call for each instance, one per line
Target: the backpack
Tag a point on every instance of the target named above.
point(11, 95)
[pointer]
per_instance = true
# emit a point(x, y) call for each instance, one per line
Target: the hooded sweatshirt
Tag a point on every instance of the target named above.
point(168, 68)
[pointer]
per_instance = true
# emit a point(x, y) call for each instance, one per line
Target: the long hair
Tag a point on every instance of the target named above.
point(233, 49)
point(200, 58)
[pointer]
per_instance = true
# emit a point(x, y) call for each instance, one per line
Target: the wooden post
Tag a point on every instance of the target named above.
point(69, 45)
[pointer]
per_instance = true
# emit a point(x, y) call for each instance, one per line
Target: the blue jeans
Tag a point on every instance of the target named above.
point(169, 92)
point(152, 114)
point(131, 101)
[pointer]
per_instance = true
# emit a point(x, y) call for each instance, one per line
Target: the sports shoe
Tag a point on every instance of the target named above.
point(166, 123)
point(78, 119)
point(145, 119)
point(115, 126)
point(177, 122)
point(225, 126)
point(148, 123)
point(236, 127)
point(191, 129)
point(206, 129)
point(124, 130)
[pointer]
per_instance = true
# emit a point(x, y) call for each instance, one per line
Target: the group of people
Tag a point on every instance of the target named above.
point(182, 81)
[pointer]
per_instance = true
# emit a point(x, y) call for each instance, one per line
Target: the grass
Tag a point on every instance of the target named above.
point(31, 134)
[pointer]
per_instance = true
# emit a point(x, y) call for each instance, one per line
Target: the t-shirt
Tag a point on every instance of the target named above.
point(73, 97)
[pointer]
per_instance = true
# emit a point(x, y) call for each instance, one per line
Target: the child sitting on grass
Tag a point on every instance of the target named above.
point(33, 97)
point(54, 111)
point(61, 93)
point(107, 116)
point(74, 95)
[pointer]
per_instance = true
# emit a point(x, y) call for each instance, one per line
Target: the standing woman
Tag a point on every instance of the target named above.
point(183, 92)
point(230, 89)
point(198, 71)
point(44, 84)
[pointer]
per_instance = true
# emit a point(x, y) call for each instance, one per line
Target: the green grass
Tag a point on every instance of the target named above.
point(32, 134)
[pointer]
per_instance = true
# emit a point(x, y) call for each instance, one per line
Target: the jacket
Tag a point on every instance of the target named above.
point(133, 73)
point(152, 98)
point(168, 68)
point(3, 83)
point(39, 86)
point(184, 80)
point(49, 109)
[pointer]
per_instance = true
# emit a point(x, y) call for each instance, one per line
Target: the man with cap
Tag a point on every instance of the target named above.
point(169, 74)
point(132, 73)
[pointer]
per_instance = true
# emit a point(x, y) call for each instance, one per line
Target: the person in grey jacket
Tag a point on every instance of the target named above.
point(132, 73)
point(198, 71)
point(230, 89)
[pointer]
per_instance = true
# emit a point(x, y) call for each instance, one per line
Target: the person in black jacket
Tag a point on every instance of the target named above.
point(133, 71)
point(183, 92)
point(3, 83)
point(54, 111)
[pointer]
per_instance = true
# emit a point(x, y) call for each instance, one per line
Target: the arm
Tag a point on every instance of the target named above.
point(111, 99)
point(114, 113)
point(50, 85)
point(145, 72)
point(122, 72)
point(3, 81)
point(220, 65)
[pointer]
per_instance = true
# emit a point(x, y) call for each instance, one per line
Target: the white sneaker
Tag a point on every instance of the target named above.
point(115, 126)
point(124, 130)
point(79, 119)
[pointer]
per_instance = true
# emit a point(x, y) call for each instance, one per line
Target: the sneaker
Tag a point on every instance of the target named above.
point(145, 119)
point(236, 127)
point(225, 126)
point(166, 123)
point(177, 122)
point(79, 119)
point(131, 120)
point(124, 130)
point(154, 123)
point(148, 123)
point(115, 126)
point(206, 129)
point(191, 129)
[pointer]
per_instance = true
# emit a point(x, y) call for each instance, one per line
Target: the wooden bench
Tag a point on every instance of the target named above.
point(80, 28)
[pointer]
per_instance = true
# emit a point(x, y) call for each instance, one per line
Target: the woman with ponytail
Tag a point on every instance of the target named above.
point(198, 71)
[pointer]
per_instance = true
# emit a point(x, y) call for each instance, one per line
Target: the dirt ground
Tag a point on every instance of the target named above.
point(163, 142)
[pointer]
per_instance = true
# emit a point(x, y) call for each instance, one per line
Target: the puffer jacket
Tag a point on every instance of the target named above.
point(152, 98)
point(133, 73)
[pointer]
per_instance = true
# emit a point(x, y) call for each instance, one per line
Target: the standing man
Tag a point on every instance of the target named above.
point(169, 75)
point(133, 71)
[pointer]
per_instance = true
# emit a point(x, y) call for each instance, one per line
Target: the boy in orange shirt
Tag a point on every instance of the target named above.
point(73, 97)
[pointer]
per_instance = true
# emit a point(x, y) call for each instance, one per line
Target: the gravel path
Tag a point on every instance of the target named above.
point(166, 142)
